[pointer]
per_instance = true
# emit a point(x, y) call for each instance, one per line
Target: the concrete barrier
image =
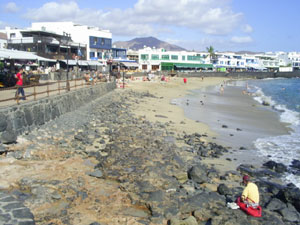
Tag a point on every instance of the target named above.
point(15, 120)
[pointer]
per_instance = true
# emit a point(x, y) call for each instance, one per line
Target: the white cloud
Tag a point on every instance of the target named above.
point(11, 7)
point(247, 28)
point(147, 17)
point(241, 40)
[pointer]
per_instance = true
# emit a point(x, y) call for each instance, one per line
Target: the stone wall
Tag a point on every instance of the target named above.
point(15, 120)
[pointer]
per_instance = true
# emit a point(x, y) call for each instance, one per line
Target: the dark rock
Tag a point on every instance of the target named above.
point(290, 214)
point(290, 194)
point(275, 204)
point(278, 167)
point(224, 126)
point(223, 190)
point(198, 174)
point(295, 164)
point(161, 116)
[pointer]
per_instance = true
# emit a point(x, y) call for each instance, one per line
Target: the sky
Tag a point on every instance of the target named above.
point(227, 25)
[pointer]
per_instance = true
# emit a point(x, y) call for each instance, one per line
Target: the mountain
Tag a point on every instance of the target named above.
point(248, 52)
point(139, 43)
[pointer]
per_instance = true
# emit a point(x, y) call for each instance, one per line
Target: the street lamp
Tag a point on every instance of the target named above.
point(68, 83)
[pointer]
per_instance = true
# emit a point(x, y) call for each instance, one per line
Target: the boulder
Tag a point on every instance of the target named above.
point(290, 214)
point(295, 164)
point(223, 190)
point(275, 204)
point(198, 174)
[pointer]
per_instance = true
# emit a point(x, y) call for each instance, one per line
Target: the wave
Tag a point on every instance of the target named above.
point(286, 115)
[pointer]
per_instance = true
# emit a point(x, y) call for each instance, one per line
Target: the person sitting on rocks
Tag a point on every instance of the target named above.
point(250, 195)
point(249, 201)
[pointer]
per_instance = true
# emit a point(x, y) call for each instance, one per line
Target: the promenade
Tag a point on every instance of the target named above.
point(42, 91)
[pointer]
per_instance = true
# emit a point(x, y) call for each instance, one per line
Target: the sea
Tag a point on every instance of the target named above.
point(283, 97)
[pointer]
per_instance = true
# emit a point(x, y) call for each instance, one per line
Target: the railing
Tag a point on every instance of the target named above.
point(9, 96)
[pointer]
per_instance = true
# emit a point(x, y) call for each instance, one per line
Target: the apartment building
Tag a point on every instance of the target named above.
point(152, 59)
point(98, 42)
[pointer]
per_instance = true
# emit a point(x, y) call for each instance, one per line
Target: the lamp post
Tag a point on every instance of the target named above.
point(68, 83)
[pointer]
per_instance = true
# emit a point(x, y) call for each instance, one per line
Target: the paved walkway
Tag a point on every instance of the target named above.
point(13, 212)
point(7, 94)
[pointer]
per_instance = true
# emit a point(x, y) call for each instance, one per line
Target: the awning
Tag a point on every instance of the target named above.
point(192, 65)
point(73, 62)
point(13, 54)
point(130, 64)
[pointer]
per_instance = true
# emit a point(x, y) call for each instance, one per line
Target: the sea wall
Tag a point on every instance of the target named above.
point(15, 120)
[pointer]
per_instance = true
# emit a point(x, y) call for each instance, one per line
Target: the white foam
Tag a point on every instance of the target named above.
point(282, 149)
point(286, 115)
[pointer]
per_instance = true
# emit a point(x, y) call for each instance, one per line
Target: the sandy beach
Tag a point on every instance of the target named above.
point(232, 119)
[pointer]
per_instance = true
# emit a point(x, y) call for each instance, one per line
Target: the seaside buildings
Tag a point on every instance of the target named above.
point(152, 59)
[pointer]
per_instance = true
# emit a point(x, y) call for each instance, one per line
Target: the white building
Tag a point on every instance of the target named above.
point(229, 60)
point(295, 59)
point(152, 59)
point(3, 40)
point(98, 42)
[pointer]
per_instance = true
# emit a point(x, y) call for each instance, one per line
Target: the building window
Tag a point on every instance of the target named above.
point(95, 40)
point(174, 57)
point(155, 67)
point(165, 57)
point(144, 67)
point(183, 58)
point(92, 54)
point(155, 57)
point(102, 41)
point(144, 56)
point(193, 58)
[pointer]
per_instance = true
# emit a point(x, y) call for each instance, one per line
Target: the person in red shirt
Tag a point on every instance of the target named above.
point(19, 84)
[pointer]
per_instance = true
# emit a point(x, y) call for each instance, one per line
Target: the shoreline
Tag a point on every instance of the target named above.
point(221, 117)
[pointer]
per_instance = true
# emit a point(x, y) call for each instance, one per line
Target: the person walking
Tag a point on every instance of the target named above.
point(19, 84)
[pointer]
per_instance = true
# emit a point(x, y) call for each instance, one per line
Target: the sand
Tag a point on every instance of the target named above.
point(246, 119)
point(154, 108)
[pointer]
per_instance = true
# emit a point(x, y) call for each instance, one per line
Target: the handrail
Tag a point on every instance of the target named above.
point(37, 90)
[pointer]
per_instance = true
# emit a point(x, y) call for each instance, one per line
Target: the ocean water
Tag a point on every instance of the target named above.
point(284, 97)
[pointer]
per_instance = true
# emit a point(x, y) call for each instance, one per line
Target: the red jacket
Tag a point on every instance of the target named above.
point(20, 79)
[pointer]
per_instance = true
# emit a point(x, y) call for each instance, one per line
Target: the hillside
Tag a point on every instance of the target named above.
point(139, 43)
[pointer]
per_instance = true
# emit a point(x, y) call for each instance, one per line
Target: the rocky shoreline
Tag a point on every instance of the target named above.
point(101, 164)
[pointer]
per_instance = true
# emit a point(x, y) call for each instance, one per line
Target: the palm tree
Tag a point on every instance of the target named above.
point(211, 52)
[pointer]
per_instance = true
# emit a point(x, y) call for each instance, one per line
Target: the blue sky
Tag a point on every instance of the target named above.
point(227, 25)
